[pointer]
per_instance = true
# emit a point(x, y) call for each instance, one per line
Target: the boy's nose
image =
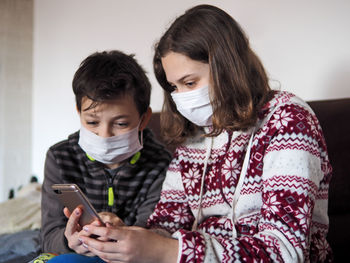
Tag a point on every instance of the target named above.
point(105, 132)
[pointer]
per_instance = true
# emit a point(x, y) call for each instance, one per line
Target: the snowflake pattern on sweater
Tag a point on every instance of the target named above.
point(282, 208)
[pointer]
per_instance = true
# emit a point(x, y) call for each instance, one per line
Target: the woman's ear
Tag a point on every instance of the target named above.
point(145, 118)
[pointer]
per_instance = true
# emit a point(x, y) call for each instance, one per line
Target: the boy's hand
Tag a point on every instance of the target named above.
point(74, 232)
point(111, 219)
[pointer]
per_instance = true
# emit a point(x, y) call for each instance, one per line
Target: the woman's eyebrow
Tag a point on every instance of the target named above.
point(182, 78)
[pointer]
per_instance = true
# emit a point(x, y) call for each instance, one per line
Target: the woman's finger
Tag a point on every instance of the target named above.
point(107, 256)
point(95, 245)
point(112, 233)
point(97, 223)
point(82, 249)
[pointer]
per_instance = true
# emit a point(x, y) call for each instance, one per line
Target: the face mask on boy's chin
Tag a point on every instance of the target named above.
point(195, 105)
point(111, 150)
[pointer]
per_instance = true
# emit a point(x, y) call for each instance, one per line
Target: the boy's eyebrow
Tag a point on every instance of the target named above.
point(122, 116)
point(93, 114)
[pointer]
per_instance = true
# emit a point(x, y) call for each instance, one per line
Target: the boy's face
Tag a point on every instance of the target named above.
point(110, 118)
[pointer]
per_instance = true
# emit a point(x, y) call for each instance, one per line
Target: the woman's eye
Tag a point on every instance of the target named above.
point(172, 88)
point(190, 84)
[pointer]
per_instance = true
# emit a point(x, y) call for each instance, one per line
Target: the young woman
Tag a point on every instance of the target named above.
point(249, 179)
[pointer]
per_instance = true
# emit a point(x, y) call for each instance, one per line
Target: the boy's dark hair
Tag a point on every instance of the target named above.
point(240, 86)
point(108, 75)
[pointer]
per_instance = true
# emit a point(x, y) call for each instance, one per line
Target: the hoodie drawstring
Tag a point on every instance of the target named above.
point(239, 185)
point(207, 155)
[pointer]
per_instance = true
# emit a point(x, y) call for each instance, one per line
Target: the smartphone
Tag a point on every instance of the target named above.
point(71, 196)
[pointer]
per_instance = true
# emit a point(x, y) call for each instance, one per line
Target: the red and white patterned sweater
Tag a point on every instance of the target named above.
point(282, 208)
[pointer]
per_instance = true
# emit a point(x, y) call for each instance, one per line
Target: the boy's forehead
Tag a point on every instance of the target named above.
point(125, 102)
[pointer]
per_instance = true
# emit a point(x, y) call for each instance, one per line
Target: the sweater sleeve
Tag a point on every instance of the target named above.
point(172, 211)
point(296, 176)
point(53, 220)
point(295, 181)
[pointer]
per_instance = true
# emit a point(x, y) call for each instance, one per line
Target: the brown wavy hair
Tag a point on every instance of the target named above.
point(239, 85)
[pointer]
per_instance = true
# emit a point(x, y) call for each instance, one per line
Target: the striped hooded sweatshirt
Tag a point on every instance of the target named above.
point(135, 186)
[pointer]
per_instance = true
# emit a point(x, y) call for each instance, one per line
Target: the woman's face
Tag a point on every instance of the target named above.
point(185, 74)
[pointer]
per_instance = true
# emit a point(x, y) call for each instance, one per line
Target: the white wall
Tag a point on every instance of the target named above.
point(303, 44)
point(16, 27)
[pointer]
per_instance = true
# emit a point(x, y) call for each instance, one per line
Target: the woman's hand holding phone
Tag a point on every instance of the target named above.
point(134, 244)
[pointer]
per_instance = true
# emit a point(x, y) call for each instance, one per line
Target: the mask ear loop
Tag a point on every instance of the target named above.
point(141, 137)
point(137, 155)
point(140, 131)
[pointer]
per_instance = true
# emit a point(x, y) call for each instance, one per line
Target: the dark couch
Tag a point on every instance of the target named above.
point(334, 116)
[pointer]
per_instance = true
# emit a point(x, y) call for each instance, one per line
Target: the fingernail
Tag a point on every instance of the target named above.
point(77, 212)
point(84, 245)
point(86, 228)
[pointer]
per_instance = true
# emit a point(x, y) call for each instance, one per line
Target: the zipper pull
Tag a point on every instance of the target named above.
point(110, 196)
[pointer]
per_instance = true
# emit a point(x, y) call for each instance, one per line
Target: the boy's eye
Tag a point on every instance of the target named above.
point(121, 124)
point(91, 122)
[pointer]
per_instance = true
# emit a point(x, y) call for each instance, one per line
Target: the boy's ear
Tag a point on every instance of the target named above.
point(145, 118)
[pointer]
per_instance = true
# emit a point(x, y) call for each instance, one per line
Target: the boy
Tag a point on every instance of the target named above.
point(114, 159)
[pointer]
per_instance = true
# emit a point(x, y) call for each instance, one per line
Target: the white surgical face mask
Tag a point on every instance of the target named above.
point(195, 105)
point(110, 150)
